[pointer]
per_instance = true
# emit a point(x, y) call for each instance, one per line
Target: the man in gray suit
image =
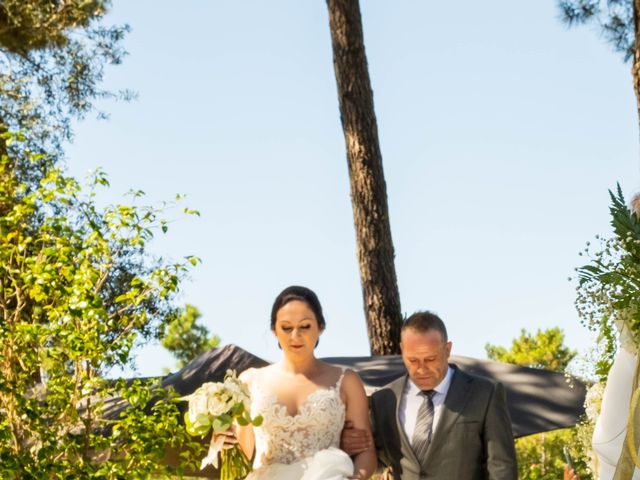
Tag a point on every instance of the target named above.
point(437, 422)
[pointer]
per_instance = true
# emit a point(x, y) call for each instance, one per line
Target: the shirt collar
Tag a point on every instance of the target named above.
point(441, 388)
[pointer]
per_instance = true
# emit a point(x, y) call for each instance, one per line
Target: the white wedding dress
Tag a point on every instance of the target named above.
point(300, 447)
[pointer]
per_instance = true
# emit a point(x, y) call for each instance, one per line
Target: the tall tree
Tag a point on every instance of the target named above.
point(184, 337)
point(374, 245)
point(620, 24)
point(544, 349)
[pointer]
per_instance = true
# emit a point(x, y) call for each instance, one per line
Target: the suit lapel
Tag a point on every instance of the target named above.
point(454, 403)
point(398, 388)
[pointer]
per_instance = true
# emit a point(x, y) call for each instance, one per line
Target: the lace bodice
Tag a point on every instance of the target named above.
point(283, 438)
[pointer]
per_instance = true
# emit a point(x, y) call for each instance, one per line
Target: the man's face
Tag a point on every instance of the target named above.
point(426, 356)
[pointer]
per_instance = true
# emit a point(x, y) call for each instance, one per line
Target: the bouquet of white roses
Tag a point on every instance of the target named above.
point(215, 406)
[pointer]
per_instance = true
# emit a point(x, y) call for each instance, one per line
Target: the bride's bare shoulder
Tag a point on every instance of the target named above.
point(250, 374)
point(351, 382)
point(343, 374)
point(333, 368)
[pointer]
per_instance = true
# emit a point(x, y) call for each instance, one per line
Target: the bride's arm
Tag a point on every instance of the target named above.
point(245, 435)
point(357, 407)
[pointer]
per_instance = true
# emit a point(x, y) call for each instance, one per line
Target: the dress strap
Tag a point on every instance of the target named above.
point(339, 382)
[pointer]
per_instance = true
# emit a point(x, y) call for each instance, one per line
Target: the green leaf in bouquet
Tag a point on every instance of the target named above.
point(242, 421)
point(256, 422)
point(237, 409)
point(221, 423)
point(197, 429)
point(188, 424)
point(202, 419)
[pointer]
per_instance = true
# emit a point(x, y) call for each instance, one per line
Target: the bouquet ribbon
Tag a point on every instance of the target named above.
point(214, 448)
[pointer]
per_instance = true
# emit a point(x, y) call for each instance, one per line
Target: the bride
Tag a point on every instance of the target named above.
point(304, 403)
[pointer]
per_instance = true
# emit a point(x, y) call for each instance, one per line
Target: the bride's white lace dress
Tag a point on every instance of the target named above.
point(300, 447)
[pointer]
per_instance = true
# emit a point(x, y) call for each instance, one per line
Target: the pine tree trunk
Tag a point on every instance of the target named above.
point(374, 246)
point(635, 69)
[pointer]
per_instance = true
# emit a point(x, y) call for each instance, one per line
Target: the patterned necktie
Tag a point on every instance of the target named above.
point(424, 426)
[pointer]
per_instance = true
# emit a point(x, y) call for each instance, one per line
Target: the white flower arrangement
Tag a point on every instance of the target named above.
point(608, 291)
point(593, 401)
point(215, 406)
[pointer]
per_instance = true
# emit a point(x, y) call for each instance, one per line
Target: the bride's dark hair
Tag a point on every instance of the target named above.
point(302, 294)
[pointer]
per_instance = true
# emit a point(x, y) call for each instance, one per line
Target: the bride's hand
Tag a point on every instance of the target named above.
point(230, 438)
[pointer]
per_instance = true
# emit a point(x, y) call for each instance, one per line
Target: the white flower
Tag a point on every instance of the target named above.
point(217, 405)
point(593, 401)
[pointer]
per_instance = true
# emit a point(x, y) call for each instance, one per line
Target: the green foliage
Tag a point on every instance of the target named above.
point(614, 17)
point(545, 349)
point(77, 291)
point(33, 25)
point(184, 337)
point(608, 291)
point(52, 60)
point(540, 456)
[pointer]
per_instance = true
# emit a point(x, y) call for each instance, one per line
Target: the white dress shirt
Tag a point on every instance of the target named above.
point(412, 399)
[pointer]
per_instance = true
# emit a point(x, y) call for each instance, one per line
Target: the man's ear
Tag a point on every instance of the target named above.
point(448, 347)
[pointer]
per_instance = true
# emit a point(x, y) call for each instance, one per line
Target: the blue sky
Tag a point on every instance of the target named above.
point(501, 131)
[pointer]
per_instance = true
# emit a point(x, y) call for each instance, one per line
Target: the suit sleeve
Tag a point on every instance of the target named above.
point(382, 411)
point(375, 431)
point(498, 439)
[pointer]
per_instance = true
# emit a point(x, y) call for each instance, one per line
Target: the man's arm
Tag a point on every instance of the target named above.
point(498, 439)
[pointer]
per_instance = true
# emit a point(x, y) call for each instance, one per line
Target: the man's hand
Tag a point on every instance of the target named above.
point(570, 474)
point(355, 440)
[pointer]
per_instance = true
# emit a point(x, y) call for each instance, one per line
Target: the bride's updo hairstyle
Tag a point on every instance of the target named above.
point(302, 294)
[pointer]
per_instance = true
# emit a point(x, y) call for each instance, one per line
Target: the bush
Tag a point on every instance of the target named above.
point(79, 290)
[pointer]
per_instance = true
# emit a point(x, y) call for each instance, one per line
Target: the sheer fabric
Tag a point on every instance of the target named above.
point(611, 425)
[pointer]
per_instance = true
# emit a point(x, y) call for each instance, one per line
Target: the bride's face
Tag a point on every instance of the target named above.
point(297, 328)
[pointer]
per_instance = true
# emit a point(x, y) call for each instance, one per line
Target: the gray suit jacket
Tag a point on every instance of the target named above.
point(472, 440)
